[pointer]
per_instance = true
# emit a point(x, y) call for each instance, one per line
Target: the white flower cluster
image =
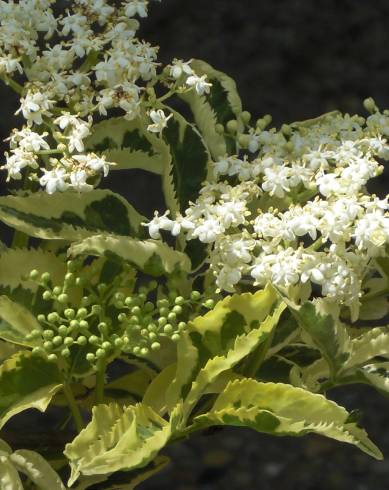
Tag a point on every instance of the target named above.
point(85, 61)
point(297, 211)
point(72, 170)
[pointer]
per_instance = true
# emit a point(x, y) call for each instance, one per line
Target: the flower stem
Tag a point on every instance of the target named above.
point(75, 411)
point(11, 83)
point(100, 382)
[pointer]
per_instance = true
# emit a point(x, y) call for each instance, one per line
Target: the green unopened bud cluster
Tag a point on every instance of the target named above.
point(107, 321)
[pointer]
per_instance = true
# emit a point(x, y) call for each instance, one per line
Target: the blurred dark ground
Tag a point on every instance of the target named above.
point(294, 59)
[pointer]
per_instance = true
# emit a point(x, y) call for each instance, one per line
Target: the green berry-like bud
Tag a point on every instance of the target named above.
point(68, 341)
point(164, 311)
point(151, 327)
point(85, 301)
point(144, 332)
point(65, 352)
point(57, 290)
point(144, 351)
point(103, 328)
point(136, 350)
point(152, 335)
point(72, 265)
point(82, 340)
point(47, 345)
point(180, 300)
point(162, 302)
point(82, 313)
point(84, 324)
point(119, 296)
point(181, 326)
point(219, 128)
point(48, 334)
point(136, 310)
point(106, 345)
point(94, 340)
point(286, 129)
point(100, 353)
point(63, 298)
point(149, 306)
point(80, 281)
point(175, 337)
point(177, 309)
point(126, 340)
point(172, 316)
point(195, 295)
point(69, 313)
point(246, 116)
point(69, 279)
point(96, 309)
point(101, 288)
point(142, 297)
point(45, 277)
point(370, 105)
point(155, 346)
point(244, 140)
point(209, 303)
point(122, 317)
point(63, 330)
point(53, 317)
point(129, 301)
point(118, 343)
point(162, 321)
point(168, 328)
point(134, 319)
point(52, 358)
point(90, 357)
point(232, 126)
point(74, 324)
point(152, 285)
point(41, 317)
point(57, 340)
point(34, 274)
point(47, 295)
point(38, 351)
point(36, 333)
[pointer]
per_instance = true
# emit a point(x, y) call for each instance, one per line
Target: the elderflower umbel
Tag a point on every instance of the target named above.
point(295, 210)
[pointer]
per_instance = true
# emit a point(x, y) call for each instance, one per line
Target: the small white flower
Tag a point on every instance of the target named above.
point(199, 83)
point(179, 68)
point(158, 223)
point(78, 181)
point(54, 180)
point(136, 7)
point(159, 121)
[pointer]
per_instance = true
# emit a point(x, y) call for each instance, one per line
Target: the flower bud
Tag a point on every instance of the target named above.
point(69, 313)
point(34, 274)
point(246, 116)
point(82, 340)
point(53, 317)
point(155, 346)
point(63, 330)
point(45, 277)
point(63, 298)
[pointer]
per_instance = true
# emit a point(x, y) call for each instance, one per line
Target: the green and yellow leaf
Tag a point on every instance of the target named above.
point(151, 256)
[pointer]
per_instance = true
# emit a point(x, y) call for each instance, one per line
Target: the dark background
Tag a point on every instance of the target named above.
point(294, 59)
